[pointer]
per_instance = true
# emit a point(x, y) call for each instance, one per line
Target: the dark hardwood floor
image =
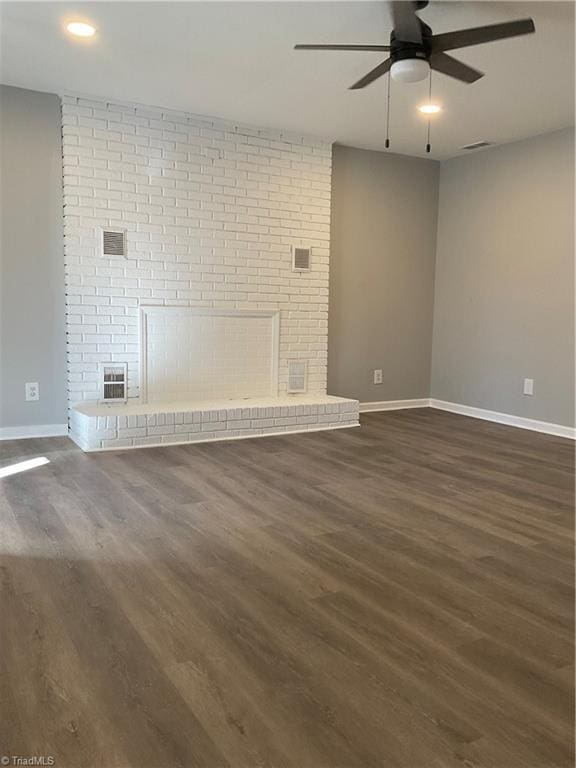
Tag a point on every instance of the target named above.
point(395, 595)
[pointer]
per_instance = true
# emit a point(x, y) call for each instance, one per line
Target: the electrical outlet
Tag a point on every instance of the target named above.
point(378, 376)
point(528, 386)
point(32, 391)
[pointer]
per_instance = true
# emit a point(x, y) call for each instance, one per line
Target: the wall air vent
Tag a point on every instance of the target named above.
point(477, 145)
point(297, 375)
point(300, 259)
point(114, 382)
point(114, 242)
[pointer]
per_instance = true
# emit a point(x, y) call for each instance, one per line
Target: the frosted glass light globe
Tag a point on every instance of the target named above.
point(410, 70)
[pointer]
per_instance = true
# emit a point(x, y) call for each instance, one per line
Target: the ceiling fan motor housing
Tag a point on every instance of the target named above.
point(404, 49)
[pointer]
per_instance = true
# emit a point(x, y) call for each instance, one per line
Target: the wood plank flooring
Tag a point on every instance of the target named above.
point(398, 595)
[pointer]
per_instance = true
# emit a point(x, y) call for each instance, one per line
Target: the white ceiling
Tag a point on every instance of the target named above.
point(235, 60)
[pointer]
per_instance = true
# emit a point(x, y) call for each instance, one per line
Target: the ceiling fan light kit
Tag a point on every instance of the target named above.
point(410, 70)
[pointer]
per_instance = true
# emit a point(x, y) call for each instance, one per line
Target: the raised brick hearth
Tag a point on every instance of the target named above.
point(102, 427)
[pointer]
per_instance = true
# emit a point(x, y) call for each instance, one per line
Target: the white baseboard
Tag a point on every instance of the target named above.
point(39, 430)
point(59, 430)
point(505, 418)
point(394, 405)
point(476, 413)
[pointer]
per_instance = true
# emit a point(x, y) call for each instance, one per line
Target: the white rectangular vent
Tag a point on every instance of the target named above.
point(300, 259)
point(297, 375)
point(114, 382)
point(477, 145)
point(114, 242)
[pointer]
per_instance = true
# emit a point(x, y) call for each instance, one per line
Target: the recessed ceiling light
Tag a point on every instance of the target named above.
point(430, 109)
point(81, 29)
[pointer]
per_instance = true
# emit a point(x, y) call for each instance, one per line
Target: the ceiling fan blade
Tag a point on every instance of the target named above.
point(307, 47)
point(406, 24)
point(374, 74)
point(441, 62)
point(463, 38)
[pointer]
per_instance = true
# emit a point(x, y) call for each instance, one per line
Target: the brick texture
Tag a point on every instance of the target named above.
point(97, 427)
point(211, 211)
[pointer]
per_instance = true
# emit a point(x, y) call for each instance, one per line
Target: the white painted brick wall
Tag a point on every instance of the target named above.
point(211, 211)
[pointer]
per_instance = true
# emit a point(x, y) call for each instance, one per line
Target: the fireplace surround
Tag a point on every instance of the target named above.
point(190, 353)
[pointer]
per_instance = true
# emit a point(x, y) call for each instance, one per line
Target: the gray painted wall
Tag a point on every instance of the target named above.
point(504, 299)
point(504, 296)
point(383, 242)
point(32, 331)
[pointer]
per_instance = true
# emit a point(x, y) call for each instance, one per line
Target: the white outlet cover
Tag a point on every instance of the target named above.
point(378, 376)
point(32, 391)
point(528, 386)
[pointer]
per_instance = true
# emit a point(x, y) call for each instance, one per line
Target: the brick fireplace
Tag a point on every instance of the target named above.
point(210, 212)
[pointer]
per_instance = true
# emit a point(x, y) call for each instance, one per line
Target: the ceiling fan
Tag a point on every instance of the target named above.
point(414, 50)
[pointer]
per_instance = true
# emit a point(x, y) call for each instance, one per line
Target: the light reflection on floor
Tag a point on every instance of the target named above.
point(23, 466)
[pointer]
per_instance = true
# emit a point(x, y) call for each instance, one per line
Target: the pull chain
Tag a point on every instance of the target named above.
point(387, 144)
point(429, 102)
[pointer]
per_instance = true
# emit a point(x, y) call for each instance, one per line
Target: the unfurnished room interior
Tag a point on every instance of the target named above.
point(287, 384)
